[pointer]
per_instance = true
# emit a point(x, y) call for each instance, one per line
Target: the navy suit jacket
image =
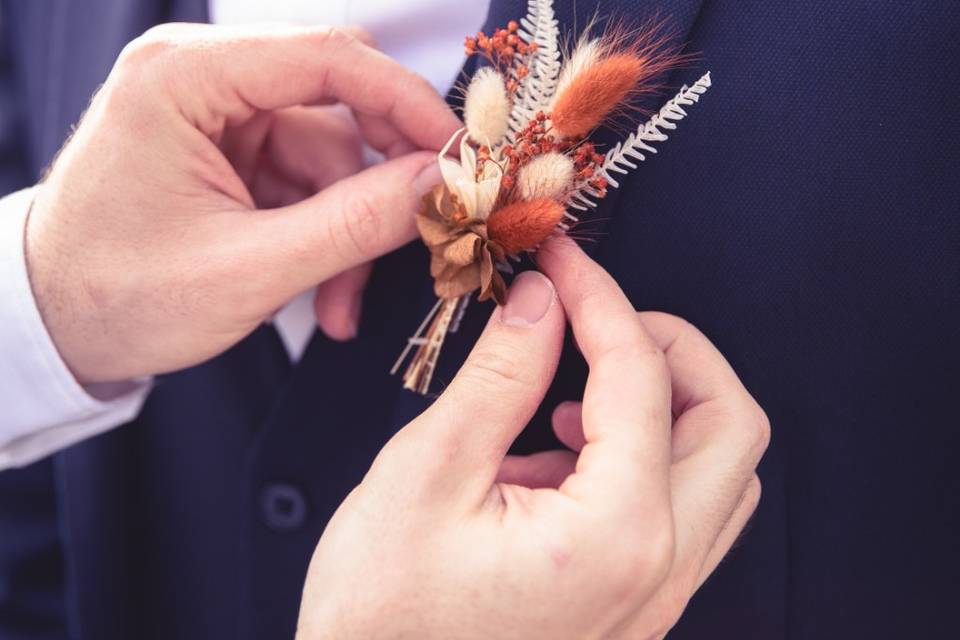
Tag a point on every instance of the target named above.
point(805, 217)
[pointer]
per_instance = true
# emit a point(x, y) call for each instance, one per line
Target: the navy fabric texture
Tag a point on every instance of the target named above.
point(805, 217)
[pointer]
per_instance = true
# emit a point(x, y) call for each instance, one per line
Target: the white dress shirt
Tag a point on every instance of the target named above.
point(42, 407)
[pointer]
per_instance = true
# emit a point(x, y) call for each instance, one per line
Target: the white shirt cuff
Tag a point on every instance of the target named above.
point(42, 407)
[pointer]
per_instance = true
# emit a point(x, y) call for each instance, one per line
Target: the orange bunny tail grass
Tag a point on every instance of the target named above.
point(594, 94)
point(620, 69)
point(521, 226)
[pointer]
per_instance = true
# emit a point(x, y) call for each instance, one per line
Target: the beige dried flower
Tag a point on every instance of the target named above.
point(547, 176)
point(487, 107)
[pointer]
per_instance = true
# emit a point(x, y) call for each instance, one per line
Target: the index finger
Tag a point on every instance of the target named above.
point(626, 404)
point(237, 70)
point(718, 438)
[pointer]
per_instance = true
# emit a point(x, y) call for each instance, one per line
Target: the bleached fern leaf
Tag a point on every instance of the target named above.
point(535, 91)
point(625, 155)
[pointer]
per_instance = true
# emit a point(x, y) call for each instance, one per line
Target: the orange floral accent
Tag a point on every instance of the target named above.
point(522, 226)
point(595, 93)
point(505, 50)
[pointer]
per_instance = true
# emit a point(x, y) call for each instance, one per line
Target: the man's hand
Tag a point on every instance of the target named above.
point(448, 538)
point(146, 249)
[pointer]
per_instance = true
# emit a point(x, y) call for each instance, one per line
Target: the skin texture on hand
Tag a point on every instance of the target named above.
point(448, 537)
point(211, 181)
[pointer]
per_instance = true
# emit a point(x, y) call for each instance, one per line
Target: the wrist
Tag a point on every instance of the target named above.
point(57, 291)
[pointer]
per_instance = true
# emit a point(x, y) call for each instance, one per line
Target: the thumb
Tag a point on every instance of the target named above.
point(466, 433)
point(353, 221)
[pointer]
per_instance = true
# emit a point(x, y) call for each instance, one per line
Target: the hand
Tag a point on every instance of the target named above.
point(145, 246)
point(447, 538)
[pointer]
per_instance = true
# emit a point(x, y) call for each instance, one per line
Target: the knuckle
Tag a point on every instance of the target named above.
point(498, 368)
point(642, 565)
point(660, 550)
point(338, 37)
point(644, 357)
point(758, 427)
point(358, 229)
point(562, 544)
point(749, 428)
point(153, 62)
point(156, 43)
point(359, 35)
point(681, 325)
point(628, 353)
point(751, 498)
point(414, 83)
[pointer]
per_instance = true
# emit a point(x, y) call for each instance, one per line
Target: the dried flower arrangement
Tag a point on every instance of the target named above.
point(525, 159)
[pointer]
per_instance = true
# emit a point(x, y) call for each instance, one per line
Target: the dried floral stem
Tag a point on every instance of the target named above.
point(429, 342)
point(416, 338)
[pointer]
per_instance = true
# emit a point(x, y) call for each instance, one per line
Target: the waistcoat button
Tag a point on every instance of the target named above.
point(283, 507)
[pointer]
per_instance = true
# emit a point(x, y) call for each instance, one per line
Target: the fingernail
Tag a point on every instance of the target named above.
point(427, 179)
point(530, 297)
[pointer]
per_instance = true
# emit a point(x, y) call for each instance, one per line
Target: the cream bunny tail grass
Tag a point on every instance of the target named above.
point(486, 109)
point(547, 176)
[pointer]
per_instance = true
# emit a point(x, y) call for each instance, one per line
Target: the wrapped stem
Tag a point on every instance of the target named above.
point(428, 341)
